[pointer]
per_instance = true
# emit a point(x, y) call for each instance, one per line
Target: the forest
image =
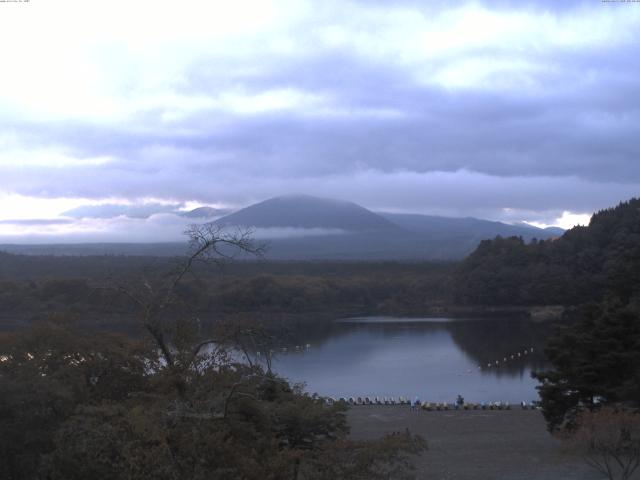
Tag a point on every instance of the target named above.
point(78, 405)
point(584, 264)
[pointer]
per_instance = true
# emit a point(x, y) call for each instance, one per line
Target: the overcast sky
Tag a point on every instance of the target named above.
point(508, 110)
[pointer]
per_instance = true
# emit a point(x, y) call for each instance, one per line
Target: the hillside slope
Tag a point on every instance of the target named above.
point(584, 264)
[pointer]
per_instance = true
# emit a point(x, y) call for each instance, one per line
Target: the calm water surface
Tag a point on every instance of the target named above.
point(434, 358)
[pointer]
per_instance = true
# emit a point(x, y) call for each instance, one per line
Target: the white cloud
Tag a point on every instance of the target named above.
point(157, 228)
point(164, 227)
point(14, 206)
point(269, 100)
point(567, 220)
point(106, 61)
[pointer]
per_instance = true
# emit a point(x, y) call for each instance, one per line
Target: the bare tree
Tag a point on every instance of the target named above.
point(609, 441)
point(155, 297)
point(252, 339)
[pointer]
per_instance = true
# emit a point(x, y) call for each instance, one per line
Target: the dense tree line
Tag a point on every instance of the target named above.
point(32, 267)
point(584, 264)
point(402, 291)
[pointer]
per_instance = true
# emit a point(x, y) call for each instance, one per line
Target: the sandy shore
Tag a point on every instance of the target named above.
point(476, 444)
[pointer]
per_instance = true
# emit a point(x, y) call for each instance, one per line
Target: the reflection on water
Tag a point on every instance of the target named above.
point(435, 359)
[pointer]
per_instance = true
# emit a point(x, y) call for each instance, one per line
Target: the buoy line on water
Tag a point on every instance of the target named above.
point(427, 406)
point(507, 358)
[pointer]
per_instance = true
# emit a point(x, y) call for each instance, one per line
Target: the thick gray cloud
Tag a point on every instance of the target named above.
point(507, 110)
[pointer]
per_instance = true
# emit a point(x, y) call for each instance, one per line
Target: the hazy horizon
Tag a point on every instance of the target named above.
point(149, 223)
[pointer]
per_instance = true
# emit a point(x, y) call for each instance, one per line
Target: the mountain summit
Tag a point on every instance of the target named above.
point(366, 234)
point(305, 211)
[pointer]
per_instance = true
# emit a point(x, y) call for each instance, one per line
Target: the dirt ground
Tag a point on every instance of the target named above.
point(476, 444)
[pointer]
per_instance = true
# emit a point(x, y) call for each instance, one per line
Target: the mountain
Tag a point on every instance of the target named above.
point(333, 229)
point(555, 231)
point(469, 228)
point(302, 227)
point(307, 212)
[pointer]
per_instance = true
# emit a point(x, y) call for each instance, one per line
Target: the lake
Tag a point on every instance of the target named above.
point(433, 358)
